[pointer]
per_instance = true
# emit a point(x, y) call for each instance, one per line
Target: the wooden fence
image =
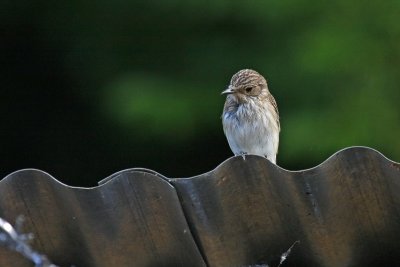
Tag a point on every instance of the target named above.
point(344, 212)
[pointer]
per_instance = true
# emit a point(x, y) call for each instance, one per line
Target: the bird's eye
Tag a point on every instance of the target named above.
point(248, 89)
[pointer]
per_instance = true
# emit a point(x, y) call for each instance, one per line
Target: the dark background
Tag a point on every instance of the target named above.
point(89, 88)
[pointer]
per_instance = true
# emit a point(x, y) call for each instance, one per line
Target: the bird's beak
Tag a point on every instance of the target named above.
point(229, 90)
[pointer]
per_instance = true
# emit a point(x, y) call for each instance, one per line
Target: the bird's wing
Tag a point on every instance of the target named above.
point(273, 102)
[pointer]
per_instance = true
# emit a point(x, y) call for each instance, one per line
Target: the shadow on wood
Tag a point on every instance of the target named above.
point(133, 220)
point(344, 212)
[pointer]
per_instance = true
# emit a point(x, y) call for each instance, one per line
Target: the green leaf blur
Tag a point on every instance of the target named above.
point(148, 75)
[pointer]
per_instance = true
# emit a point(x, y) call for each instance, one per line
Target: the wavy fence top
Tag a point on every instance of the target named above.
point(344, 212)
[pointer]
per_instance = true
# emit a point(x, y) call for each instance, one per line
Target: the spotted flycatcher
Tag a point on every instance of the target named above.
point(250, 118)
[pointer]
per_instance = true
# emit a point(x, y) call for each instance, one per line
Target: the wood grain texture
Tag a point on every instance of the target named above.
point(133, 220)
point(344, 212)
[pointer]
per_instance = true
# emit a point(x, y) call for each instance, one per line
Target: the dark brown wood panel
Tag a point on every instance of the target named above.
point(344, 212)
point(135, 219)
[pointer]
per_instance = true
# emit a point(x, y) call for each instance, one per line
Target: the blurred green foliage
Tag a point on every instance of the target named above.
point(137, 83)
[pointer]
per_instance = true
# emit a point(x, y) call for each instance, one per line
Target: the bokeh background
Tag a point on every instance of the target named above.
point(89, 88)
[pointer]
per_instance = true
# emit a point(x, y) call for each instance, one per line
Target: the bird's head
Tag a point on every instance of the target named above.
point(246, 84)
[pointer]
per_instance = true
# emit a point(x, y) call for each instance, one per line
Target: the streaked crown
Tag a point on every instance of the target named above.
point(247, 77)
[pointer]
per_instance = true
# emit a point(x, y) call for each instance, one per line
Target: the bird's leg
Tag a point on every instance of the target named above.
point(272, 159)
point(243, 154)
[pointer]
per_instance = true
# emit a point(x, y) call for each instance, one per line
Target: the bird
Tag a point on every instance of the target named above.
point(250, 117)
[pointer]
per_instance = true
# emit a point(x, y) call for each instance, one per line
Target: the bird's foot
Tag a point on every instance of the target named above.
point(243, 154)
point(272, 159)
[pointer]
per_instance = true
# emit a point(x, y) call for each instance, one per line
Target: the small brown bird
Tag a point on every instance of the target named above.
point(250, 118)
